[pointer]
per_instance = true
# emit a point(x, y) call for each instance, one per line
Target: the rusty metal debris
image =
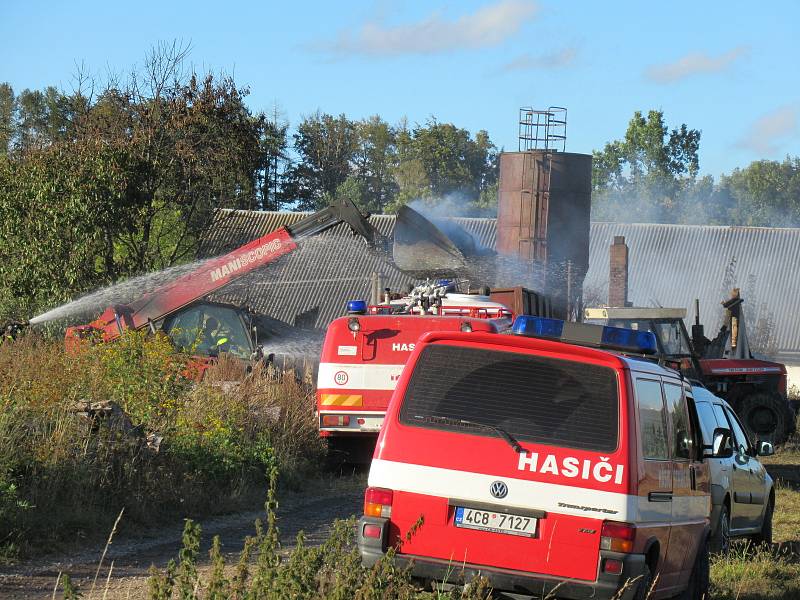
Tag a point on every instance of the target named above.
point(111, 415)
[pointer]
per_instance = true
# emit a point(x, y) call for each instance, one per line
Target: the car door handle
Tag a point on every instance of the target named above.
point(660, 496)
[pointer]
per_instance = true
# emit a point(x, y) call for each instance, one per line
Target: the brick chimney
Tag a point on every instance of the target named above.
point(618, 273)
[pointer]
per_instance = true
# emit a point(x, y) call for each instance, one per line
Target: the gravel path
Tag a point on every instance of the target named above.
point(133, 555)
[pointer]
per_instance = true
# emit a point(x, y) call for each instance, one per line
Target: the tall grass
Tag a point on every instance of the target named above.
point(62, 476)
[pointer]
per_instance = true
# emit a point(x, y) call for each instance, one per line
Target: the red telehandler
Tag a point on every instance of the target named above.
point(206, 328)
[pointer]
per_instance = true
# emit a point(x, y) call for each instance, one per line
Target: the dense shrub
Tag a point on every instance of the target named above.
point(62, 475)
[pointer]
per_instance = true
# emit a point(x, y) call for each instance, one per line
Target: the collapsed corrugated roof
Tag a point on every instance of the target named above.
point(311, 286)
point(670, 265)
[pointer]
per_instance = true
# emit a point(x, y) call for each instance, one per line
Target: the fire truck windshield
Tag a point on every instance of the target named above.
point(532, 398)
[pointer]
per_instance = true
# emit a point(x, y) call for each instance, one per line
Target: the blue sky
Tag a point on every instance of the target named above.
point(728, 68)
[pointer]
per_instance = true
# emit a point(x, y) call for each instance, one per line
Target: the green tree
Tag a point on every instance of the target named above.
point(325, 146)
point(125, 184)
point(8, 107)
point(60, 210)
point(274, 158)
point(373, 160)
point(765, 193)
point(440, 160)
point(645, 175)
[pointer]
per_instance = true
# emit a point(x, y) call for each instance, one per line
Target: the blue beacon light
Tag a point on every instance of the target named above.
point(357, 307)
point(617, 338)
point(538, 326)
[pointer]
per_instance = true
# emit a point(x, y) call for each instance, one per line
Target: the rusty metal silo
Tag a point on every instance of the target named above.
point(544, 206)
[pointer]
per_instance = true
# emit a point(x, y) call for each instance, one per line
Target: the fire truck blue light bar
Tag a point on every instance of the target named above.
point(357, 307)
point(538, 326)
point(615, 338)
point(621, 338)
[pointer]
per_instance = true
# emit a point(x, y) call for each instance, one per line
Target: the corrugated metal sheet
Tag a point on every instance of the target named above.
point(311, 286)
point(670, 265)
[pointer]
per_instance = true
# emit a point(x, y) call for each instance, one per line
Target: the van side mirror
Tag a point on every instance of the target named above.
point(765, 448)
point(721, 446)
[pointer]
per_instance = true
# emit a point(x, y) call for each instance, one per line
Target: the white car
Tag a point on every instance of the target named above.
point(742, 492)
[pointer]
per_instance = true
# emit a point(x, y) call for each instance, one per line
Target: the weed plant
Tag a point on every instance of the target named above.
point(63, 477)
point(331, 571)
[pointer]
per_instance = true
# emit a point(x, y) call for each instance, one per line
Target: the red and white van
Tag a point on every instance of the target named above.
point(556, 461)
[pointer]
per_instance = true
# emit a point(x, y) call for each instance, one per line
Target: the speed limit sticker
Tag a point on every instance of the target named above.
point(340, 378)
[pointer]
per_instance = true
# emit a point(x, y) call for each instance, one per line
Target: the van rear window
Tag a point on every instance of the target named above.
point(536, 399)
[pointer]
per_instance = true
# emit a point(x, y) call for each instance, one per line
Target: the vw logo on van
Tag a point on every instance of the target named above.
point(498, 489)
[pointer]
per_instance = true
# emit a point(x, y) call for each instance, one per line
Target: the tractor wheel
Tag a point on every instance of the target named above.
point(765, 416)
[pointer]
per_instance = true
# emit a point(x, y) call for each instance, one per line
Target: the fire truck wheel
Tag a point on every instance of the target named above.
point(720, 542)
point(764, 416)
point(698, 580)
point(644, 585)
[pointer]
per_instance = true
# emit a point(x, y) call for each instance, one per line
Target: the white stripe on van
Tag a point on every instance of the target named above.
point(549, 497)
point(344, 376)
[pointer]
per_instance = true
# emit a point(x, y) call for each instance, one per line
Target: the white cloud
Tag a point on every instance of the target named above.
point(553, 60)
point(488, 26)
point(765, 135)
point(695, 63)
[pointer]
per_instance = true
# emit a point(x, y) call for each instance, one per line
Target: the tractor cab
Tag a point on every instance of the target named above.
point(666, 324)
point(755, 388)
point(209, 329)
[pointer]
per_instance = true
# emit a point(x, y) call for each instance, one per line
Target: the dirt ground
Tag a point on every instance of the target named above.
point(132, 555)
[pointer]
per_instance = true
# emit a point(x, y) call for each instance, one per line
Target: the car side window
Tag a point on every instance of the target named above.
point(742, 441)
point(682, 445)
point(652, 419)
point(707, 421)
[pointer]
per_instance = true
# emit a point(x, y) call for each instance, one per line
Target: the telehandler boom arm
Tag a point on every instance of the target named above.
point(220, 271)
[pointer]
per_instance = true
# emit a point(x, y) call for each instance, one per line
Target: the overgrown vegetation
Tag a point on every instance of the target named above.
point(334, 571)
point(63, 476)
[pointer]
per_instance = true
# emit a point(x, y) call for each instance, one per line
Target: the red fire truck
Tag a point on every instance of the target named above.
point(364, 353)
point(560, 461)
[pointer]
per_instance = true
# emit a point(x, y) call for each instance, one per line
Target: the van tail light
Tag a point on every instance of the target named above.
point(617, 537)
point(612, 566)
point(378, 502)
point(335, 421)
point(372, 531)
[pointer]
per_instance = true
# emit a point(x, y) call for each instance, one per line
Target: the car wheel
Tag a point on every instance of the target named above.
point(764, 416)
point(698, 580)
point(765, 536)
point(720, 542)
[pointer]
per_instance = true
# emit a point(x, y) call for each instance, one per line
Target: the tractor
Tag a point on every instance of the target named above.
point(755, 388)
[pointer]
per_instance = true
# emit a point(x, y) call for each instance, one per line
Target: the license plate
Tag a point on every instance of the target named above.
point(487, 520)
